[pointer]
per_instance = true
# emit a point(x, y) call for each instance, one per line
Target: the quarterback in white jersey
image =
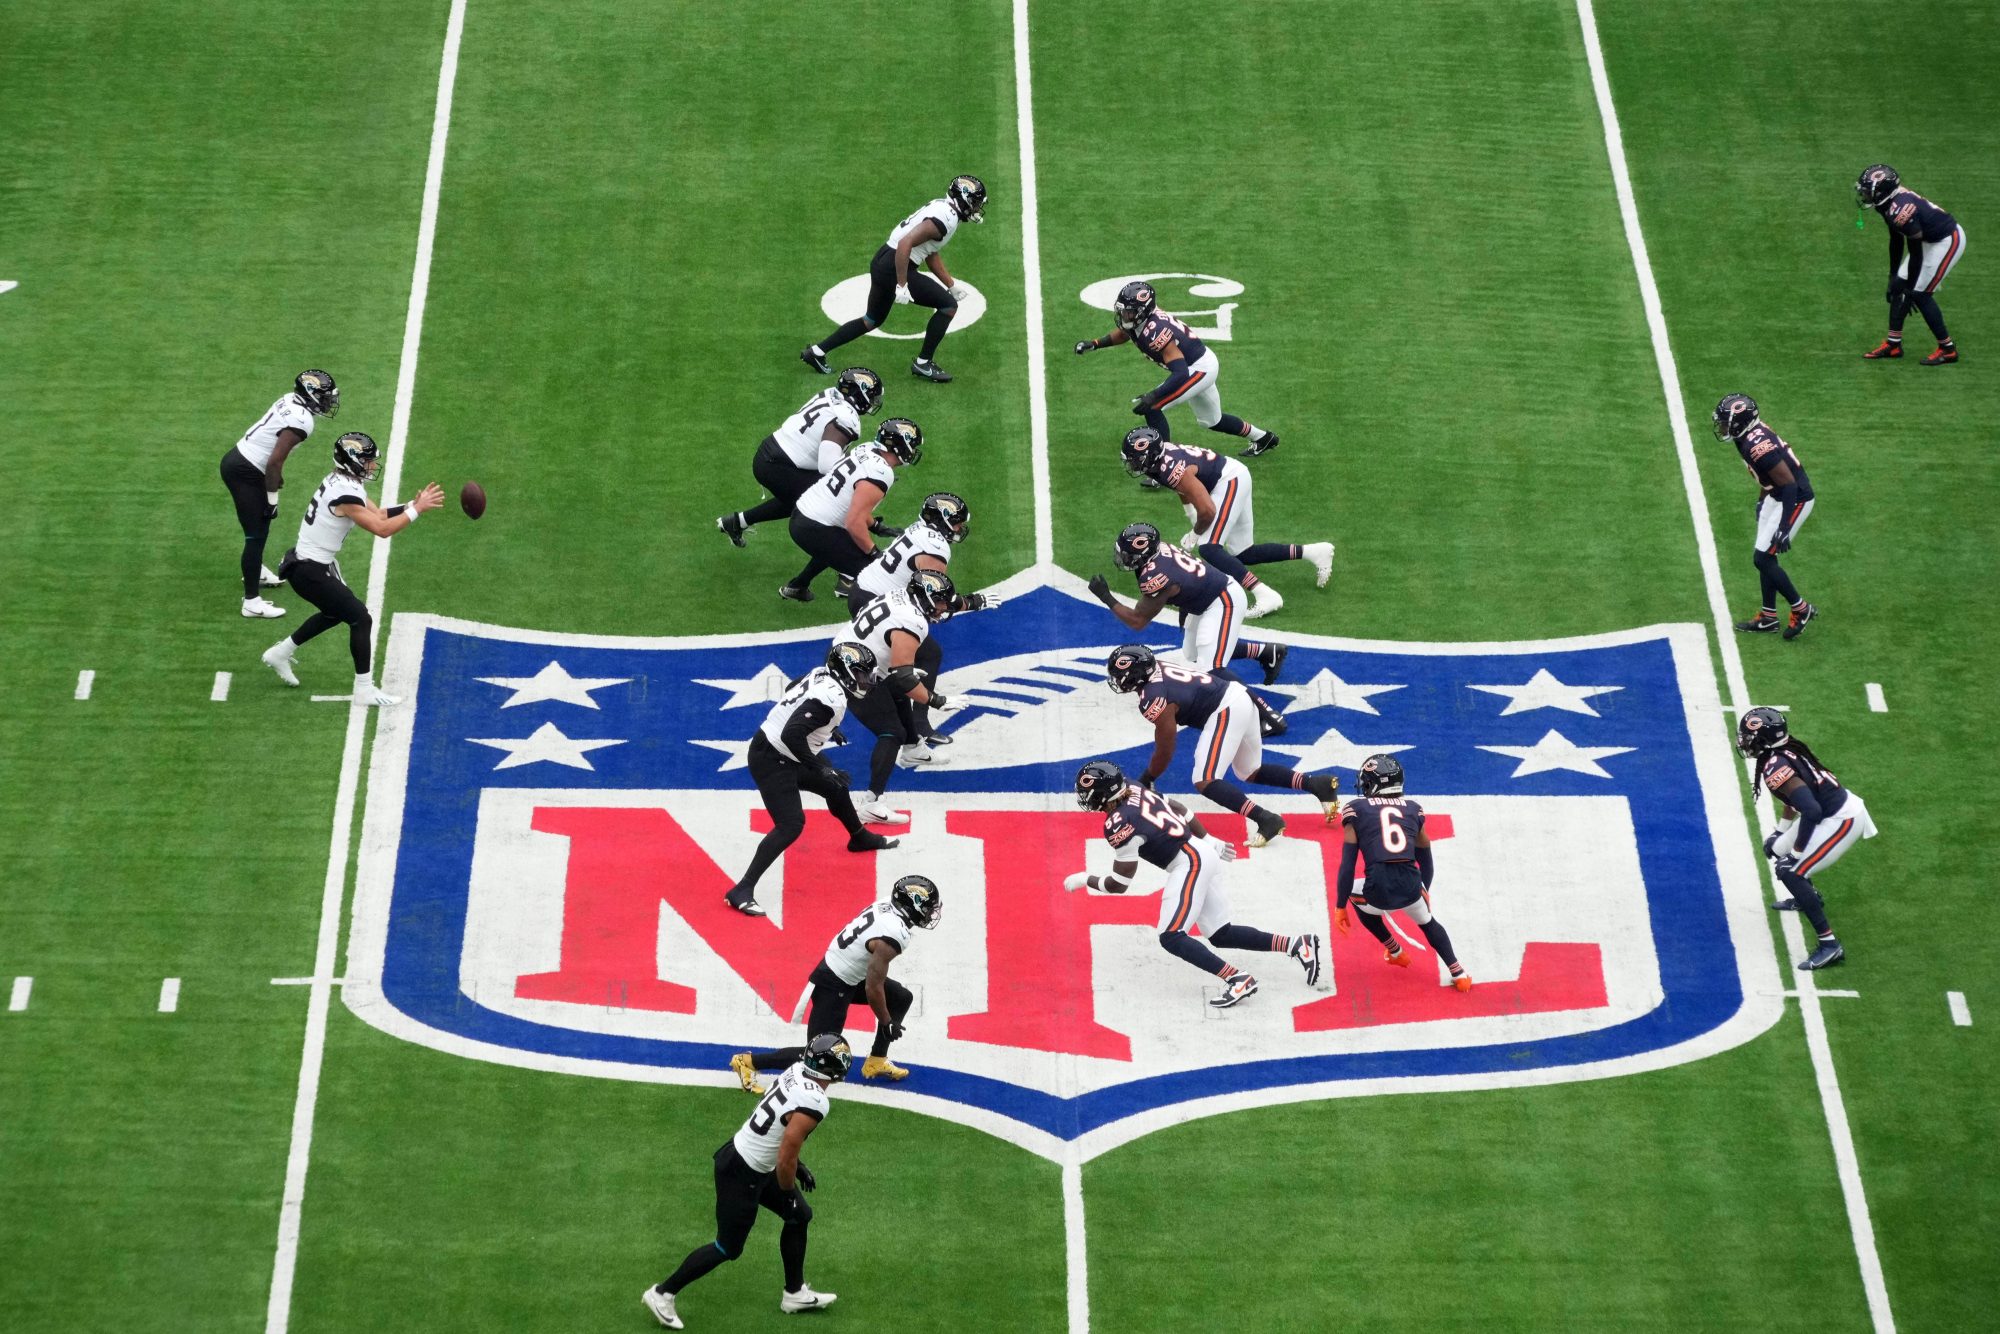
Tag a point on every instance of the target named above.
point(759, 1168)
point(892, 279)
point(254, 472)
point(807, 447)
point(834, 521)
point(313, 566)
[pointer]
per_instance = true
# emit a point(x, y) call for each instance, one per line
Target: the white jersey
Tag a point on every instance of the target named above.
point(817, 687)
point(288, 413)
point(847, 956)
point(939, 211)
point(321, 531)
point(800, 436)
point(873, 623)
point(890, 571)
point(825, 501)
point(793, 1091)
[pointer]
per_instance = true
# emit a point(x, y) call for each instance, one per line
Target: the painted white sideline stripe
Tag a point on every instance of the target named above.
point(1031, 268)
point(1075, 1247)
point(1961, 1013)
point(170, 994)
point(84, 680)
point(284, 1265)
point(23, 988)
point(1831, 1102)
point(336, 699)
point(1876, 704)
point(308, 981)
point(219, 692)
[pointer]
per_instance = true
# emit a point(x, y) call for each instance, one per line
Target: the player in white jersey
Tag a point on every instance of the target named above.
point(855, 971)
point(759, 1168)
point(784, 760)
point(894, 628)
point(807, 447)
point(892, 279)
point(254, 472)
point(313, 566)
point(834, 521)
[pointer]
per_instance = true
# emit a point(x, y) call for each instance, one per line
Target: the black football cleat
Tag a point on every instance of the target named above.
point(1270, 826)
point(744, 903)
point(1944, 356)
point(816, 359)
point(1264, 446)
point(1827, 955)
point(792, 594)
point(1799, 619)
point(731, 526)
point(870, 841)
point(929, 370)
point(1763, 623)
point(1272, 659)
point(1883, 351)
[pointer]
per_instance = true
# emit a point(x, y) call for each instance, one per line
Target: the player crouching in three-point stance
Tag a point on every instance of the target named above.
point(855, 971)
point(784, 759)
point(1172, 697)
point(1190, 365)
point(1139, 822)
point(835, 516)
point(1925, 242)
point(895, 627)
point(759, 1168)
point(1210, 600)
point(1784, 503)
point(313, 566)
point(1387, 829)
point(809, 445)
point(1821, 820)
point(254, 472)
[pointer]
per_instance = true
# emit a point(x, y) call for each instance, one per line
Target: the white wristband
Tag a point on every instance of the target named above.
point(410, 512)
point(270, 497)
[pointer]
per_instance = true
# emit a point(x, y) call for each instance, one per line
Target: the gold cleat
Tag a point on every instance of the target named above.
point(746, 1073)
point(881, 1067)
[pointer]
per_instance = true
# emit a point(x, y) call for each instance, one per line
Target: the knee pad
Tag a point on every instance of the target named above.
point(802, 1213)
point(948, 306)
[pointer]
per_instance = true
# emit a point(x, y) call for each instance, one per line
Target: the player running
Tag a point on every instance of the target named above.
point(1820, 821)
point(1925, 244)
point(809, 444)
point(254, 472)
point(1784, 503)
point(1190, 365)
point(1387, 829)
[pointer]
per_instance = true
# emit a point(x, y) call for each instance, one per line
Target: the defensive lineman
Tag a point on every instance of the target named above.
point(892, 281)
point(835, 517)
point(1820, 821)
point(893, 628)
point(313, 566)
point(1925, 243)
point(1212, 602)
point(759, 1168)
point(1190, 365)
point(1387, 829)
point(809, 444)
point(254, 472)
point(1784, 503)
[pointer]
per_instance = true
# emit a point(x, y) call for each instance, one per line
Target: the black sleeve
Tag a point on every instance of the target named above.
point(347, 500)
point(1895, 250)
point(808, 718)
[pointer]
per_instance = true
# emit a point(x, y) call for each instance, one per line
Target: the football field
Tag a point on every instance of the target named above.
point(299, 1031)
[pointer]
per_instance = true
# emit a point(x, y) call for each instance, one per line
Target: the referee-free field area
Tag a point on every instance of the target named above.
point(413, 1072)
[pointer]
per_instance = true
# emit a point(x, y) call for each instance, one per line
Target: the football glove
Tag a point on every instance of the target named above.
point(938, 701)
point(1190, 541)
point(960, 292)
point(903, 297)
point(1100, 588)
point(1079, 880)
point(1771, 842)
point(1087, 345)
point(1226, 850)
point(1341, 921)
point(1781, 543)
point(807, 1181)
point(837, 777)
point(895, 1030)
point(979, 602)
point(836, 737)
point(1142, 405)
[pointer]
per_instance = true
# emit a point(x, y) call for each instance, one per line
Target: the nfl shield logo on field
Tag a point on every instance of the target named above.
point(553, 819)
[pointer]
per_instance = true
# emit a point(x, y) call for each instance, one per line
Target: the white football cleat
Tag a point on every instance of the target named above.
point(259, 607)
point(1321, 555)
point(661, 1304)
point(268, 577)
point(869, 807)
point(1264, 600)
point(919, 756)
point(368, 694)
point(805, 1299)
point(278, 658)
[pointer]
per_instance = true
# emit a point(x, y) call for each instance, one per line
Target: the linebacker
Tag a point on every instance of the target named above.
point(834, 520)
point(1820, 820)
point(1387, 828)
point(1190, 364)
point(1925, 244)
point(1784, 503)
point(809, 444)
point(254, 472)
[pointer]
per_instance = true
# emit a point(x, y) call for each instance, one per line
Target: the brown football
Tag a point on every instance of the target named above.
point(472, 499)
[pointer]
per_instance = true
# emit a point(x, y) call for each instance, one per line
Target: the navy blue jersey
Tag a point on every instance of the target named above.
point(1386, 828)
point(1910, 214)
point(1195, 695)
point(1790, 761)
point(1144, 825)
point(1176, 461)
point(1160, 333)
point(1198, 583)
point(1762, 450)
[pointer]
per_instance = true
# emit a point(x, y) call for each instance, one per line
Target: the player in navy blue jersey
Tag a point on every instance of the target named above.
point(1190, 366)
point(1141, 824)
point(1784, 503)
point(1211, 634)
point(1820, 821)
point(1386, 828)
point(1925, 243)
point(1225, 715)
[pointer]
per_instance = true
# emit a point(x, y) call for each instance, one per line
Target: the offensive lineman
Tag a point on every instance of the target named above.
point(1210, 599)
point(254, 472)
point(1817, 824)
point(1388, 829)
point(759, 1168)
point(313, 566)
point(893, 628)
point(1925, 243)
point(893, 282)
point(801, 451)
point(1784, 502)
point(1169, 836)
point(835, 517)
point(1190, 365)
point(784, 759)
point(855, 971)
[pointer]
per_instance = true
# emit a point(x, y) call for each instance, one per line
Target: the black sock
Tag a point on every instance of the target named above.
point(804, 578)
point(1267, 553)
point(883, 762)
point(846, 333)
point(768, 850)
point(1234, 937)
point(1927, 307)
point(1184, 946)
point(935, 330)
point(1782, 583)
point(784, 1058)
point(1231, 424)
point(1378, 928)
point(360, 646)
point(1227, 795)
point(1809, 901)
point(1434, 932)
point(700, 1260)
point(773, 508)
point(253, 567)
point(792, 1250)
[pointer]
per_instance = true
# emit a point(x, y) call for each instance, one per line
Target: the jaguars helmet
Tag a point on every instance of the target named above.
point(355, 455)
point(318, 392)
point(1135, 302)
point(1761, 731)
point(967, 195)
point(828, 1056)
point(1380, 776)
point(862, 388)
point(1874, 186)
point(916, 900)
point(1142, 449)
point(1136, 545)
point(1734, 415)
point(948, 513)
point(901, 437)
point(853, 666)
point(1129, 667)
point(1100, 785)
point(934, 593)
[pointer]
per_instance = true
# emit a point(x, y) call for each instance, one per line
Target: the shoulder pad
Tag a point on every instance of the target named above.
point(1151, 582)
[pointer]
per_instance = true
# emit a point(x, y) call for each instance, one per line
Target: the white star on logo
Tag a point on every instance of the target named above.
point(763, 688)
point(737, 751)
point(1556, 751)
point(546, 743)
point(1327, 689)
point(552, 683)
point(1334, 751)
point(1543, 691)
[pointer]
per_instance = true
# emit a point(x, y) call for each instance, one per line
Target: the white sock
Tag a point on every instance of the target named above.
point(817, 350)
point(1257, 435)
point(363, 681)
point(284, 648)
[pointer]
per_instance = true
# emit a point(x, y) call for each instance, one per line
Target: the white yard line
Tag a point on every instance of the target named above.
point(1961, 1013)
point(1031, 270)
point(219, 692)
point(170, 995)
point(84, 681)
point(1075, 1247)
point(1876, 704)
point(24, 987)
point(1834, 1106)
point(285, 1263)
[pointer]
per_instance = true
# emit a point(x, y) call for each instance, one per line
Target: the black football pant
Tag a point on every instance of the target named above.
point(245, 481)
point(831, 999)
point(893, 720)
point(740, 1191)
point(924, 291)
point(322, 586)
point(1927, 306)
point(826, 548)
point(780, 780)
point(784, 479)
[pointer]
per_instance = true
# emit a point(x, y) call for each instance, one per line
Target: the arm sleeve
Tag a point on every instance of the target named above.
point(1895, 249)
point(1350, 853)
point(808, 718)
point(1426, 864)
point(1810, 814)
point(1169, 386)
